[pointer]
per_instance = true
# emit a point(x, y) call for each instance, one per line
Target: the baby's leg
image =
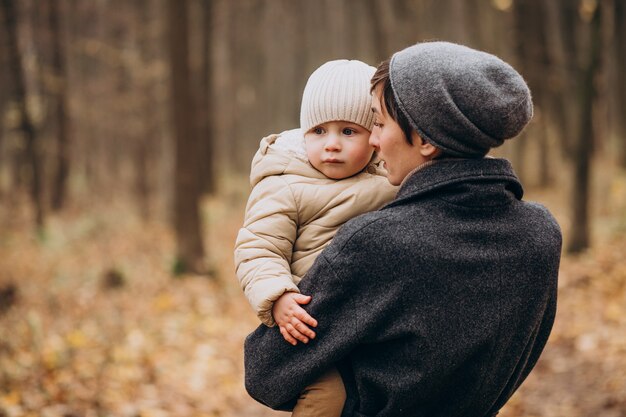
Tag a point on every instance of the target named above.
point(323, 398)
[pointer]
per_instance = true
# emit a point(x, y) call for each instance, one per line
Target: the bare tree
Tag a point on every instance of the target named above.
point(190, 248)
point(27, 127)
point(583, 149)
point(619, 26)
point(146, 133)
point(204, 91)
point(3, 101)
point(562, 23)
point(61, 106)
point(376, 20)
point(534, 62)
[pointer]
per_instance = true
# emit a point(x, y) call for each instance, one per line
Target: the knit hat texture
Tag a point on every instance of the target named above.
point(459, 99)
point(338, 90)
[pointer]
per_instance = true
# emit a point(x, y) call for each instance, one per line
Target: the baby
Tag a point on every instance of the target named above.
point(306, 183)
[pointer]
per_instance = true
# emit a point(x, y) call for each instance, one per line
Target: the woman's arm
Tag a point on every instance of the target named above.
point(342, 285)
point(277, 372)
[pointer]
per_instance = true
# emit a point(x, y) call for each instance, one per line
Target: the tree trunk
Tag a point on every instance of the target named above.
point(60, 95)
point(146, 135)
point(247, 76)
point(375, 18)
point(523, 18)
point(534, 63)
point(545, 173)
point(206, 170)
point(27, 127)
point(563, 17)
point(458, 24)
point(3, 101)
point(405, 31)
point(580, 228)
point(190, 248)
point(223, 83)
point(620, 62)
point(544, 64)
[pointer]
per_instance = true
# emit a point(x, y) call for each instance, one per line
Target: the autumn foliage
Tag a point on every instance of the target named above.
point(92, 323)
point(98, 185)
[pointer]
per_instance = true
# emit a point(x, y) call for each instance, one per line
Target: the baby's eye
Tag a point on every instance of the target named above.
point(318, 130)
point(378, 124)
point(348, 131)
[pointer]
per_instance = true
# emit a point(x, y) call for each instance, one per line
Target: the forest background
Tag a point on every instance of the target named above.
point(126, 133)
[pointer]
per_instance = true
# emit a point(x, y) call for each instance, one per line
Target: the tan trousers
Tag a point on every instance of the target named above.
point(323, 398)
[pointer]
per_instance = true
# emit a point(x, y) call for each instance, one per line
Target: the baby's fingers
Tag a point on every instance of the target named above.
point(303, 328)
point(302, 299)
point(287, 336)
point(294, 332)
point(305, 317)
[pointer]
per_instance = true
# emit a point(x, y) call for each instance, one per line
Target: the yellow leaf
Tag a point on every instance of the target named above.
point(50, 358)
point(12, 398)
point(163, 302)
point(76, 339)
point(153, 412)
point(613, 312)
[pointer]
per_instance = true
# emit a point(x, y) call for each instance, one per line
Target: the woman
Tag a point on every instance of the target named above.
point(440, 303)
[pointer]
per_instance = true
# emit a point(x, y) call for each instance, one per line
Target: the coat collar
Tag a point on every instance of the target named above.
point(445, 172)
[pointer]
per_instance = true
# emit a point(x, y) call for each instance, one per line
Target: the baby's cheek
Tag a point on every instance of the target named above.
point(366, 155)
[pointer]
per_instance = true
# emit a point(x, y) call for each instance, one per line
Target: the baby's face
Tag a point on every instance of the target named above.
point(338, 149)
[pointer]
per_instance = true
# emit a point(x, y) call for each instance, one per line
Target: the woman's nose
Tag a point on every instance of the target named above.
point(373, 141)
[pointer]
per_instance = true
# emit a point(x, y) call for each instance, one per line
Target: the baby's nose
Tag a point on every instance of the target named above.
point(332, 143)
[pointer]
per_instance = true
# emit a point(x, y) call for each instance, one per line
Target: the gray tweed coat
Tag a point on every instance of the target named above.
point(439, 304)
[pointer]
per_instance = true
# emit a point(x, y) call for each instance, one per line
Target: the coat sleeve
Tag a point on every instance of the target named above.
point(264, 246)
point(340, 283)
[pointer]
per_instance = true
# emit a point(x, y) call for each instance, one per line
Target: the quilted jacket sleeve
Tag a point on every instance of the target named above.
point(264, 246)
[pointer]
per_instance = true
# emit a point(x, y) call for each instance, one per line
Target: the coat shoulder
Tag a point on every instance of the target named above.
point(543, 220)
point(364, 230)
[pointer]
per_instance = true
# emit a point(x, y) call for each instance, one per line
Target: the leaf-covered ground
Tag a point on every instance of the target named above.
point(92, 324)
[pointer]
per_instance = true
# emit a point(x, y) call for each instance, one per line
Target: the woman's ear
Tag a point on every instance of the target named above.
point(427, 150)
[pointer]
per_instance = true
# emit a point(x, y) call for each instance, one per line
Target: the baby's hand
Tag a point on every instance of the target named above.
point(293, 319)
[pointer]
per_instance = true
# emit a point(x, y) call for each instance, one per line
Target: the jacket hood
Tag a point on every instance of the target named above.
point(285, 153)
point(280, 154)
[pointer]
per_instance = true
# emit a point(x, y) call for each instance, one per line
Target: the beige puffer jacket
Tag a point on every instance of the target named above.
point(292, 213)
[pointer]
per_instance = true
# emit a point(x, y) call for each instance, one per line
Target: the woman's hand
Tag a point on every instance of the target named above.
point(293, 319)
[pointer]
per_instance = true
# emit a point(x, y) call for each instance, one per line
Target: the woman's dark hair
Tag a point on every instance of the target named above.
point(381, 76)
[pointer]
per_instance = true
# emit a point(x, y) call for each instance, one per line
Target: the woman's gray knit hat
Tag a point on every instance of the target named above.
point(459, 99)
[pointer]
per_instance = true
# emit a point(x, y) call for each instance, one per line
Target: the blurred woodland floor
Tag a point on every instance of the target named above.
point(73, 346)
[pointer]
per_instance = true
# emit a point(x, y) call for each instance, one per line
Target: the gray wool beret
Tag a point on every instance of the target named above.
point(459, 99)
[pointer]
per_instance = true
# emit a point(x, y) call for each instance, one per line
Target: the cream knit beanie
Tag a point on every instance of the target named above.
point(338, 90)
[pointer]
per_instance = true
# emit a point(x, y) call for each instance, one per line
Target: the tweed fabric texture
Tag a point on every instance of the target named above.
point(437, 305)
point(459, 99)
point(338, 90)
